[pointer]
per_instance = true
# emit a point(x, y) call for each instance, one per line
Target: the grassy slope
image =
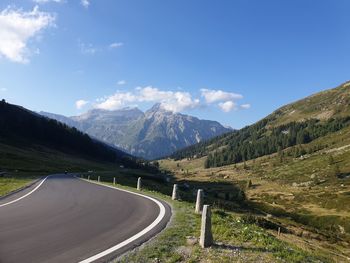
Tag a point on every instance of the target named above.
point(305, 194)
point(237, 238)
point(25, 164)
point(330, 103)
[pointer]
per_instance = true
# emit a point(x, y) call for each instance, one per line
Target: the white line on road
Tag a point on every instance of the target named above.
point(134, 237)
point(16, 200)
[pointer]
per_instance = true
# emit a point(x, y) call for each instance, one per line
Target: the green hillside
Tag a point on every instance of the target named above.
point(294, 170)
point(294, 124)
point(32, 145)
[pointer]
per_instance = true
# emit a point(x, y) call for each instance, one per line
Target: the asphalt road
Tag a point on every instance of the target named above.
point(70, 220)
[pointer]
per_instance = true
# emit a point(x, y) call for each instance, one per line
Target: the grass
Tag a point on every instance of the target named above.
point(307, 196)
point(8, 185)
point(237, 239)
point(25, 164)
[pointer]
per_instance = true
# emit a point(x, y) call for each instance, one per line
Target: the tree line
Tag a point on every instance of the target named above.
point(257, 141)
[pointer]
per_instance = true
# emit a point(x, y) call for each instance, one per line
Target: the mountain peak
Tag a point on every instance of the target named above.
point(151, 135)
point(156, 107)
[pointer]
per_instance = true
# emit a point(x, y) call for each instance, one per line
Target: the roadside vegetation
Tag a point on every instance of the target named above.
point(238, 236)
point(307, 195)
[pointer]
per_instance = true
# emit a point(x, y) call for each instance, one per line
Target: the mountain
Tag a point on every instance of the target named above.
point(151, 134)
point(291, 125)
point(23, 128)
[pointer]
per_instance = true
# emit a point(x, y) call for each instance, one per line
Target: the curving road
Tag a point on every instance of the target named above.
point(71, 220)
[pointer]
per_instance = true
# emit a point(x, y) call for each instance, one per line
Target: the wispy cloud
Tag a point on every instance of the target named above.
point(116, 45)
point(79, 104)
point(227, 106)
point(121, 82)
point(85, 3)
point(17, 27)
point(87, 49)
point(212, 96)
point(245, 106)
point(90, 49)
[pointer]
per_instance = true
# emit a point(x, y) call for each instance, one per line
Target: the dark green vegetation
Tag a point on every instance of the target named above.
point(294, 124)
point(24, 129)
point(256, 140)
point(21, 126)
point(32, 145)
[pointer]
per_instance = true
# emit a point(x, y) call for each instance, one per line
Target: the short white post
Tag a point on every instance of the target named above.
point(175, 195)
point(206, 238)
point(199, 202)
point(114, 180)
point(139, 184)
point(98, 179)
point(89, 177)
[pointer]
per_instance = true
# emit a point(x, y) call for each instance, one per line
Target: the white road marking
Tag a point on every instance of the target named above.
point(20, 198)
point(134, 237)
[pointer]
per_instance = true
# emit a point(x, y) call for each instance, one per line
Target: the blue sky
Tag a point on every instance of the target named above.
point(229, 60)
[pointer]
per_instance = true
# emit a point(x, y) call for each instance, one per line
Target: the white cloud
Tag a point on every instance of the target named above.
point(80, 104)
point(17, 28)
point(211, 96)
point(85, 3)
point(116, 45)
point(245, 106)
point(170, 100)
point(175, 101)
point(116, 101)
point(181, 101)
point(227, 106)
point(121, 82)
point(47, 1)
point(153, 94)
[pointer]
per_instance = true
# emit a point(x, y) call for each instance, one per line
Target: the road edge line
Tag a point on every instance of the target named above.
point(134, 237)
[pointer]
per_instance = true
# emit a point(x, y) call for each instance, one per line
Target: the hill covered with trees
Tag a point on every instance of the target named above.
point(23, 128)
point(294, 124)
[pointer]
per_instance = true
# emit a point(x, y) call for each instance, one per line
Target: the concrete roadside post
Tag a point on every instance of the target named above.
point(139, 184)
point(175, 195)
point(114, 180)
point(199, 202)
point(89, 177)
point(98, 179)
point(206, 238)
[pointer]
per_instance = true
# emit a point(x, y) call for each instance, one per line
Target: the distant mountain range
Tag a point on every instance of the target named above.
point(152, 134)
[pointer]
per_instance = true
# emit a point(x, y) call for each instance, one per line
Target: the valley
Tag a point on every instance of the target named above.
point(174, 131)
